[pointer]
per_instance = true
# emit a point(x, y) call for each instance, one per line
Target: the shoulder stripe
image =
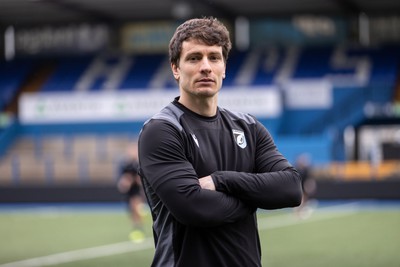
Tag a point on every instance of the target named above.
point(239, 116)
point(170, 113)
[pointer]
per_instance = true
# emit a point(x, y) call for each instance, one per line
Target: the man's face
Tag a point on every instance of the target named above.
point(201, 69)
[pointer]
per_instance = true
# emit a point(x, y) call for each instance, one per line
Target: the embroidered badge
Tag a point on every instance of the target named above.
point(239, 138)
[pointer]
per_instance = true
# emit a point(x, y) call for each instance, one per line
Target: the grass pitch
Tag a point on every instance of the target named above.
point(338, 235)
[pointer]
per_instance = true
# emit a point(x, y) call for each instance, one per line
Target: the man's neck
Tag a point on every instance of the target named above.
point(203, 106)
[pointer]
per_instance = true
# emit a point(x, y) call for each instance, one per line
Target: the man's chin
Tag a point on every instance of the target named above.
point(206, 92)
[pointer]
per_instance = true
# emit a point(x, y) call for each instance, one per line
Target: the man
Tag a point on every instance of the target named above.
point(129, 184)
point(308, 185)
point(205, 169)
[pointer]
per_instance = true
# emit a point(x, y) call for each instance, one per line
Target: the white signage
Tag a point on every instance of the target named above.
point(135, 105)
point(262, 102)
point(308, 94)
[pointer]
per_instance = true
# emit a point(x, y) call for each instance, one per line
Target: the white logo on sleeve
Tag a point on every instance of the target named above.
point(240, 139)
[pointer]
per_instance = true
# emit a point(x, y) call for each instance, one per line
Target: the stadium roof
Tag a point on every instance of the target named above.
point(31, 12)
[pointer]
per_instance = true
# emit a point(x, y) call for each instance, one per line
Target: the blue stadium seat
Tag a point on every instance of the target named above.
point(12, 75)
point(66, 74)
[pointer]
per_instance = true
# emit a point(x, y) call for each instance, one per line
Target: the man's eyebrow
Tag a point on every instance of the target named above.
point(194, 54)
point(198, 53)
point(216, 53)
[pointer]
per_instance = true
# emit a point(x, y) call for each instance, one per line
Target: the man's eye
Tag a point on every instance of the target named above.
point(194, 58)
point(214, 58)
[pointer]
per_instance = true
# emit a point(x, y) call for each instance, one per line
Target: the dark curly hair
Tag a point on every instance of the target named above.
point(208, 30)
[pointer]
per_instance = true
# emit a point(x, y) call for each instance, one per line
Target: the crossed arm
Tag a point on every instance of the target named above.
point(275, 185)
point(219, 198)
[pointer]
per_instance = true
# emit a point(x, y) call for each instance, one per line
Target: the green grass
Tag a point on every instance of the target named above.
point(360, 239)
point(365, 237)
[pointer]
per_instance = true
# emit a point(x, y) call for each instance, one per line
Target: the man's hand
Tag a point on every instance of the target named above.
point(207, 182)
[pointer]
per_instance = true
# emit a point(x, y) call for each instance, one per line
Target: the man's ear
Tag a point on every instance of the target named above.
point(175, 71)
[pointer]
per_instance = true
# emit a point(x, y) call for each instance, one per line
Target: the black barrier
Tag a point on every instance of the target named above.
point(326, 190)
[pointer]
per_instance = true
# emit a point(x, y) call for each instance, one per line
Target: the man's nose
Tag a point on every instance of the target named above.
point(205, 65)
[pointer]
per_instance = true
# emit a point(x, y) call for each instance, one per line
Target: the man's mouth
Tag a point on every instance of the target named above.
point(205, 80)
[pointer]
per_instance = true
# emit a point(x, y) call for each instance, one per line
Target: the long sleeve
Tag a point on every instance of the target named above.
point(173, 181)
point(176, 148)
point(273, 184)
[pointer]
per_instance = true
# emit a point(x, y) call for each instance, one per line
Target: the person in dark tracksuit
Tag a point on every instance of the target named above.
point(130, 185)
point(205, 169)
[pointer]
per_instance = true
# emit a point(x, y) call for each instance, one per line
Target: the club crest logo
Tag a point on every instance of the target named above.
point(240, 139)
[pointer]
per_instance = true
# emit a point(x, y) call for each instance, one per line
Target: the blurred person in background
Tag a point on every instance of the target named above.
point(130, 185)
point(206, 170)
point(308, 183)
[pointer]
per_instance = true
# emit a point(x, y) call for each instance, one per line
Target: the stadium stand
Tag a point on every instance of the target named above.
point(63, 159)
point(358, 75)
point(66, 74)
point(13, 75)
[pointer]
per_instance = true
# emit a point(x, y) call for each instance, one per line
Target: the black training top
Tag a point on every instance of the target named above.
point(198, 227)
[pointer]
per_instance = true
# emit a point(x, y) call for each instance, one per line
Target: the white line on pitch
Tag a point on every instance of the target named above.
point(83, 254)
point(320, 214)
